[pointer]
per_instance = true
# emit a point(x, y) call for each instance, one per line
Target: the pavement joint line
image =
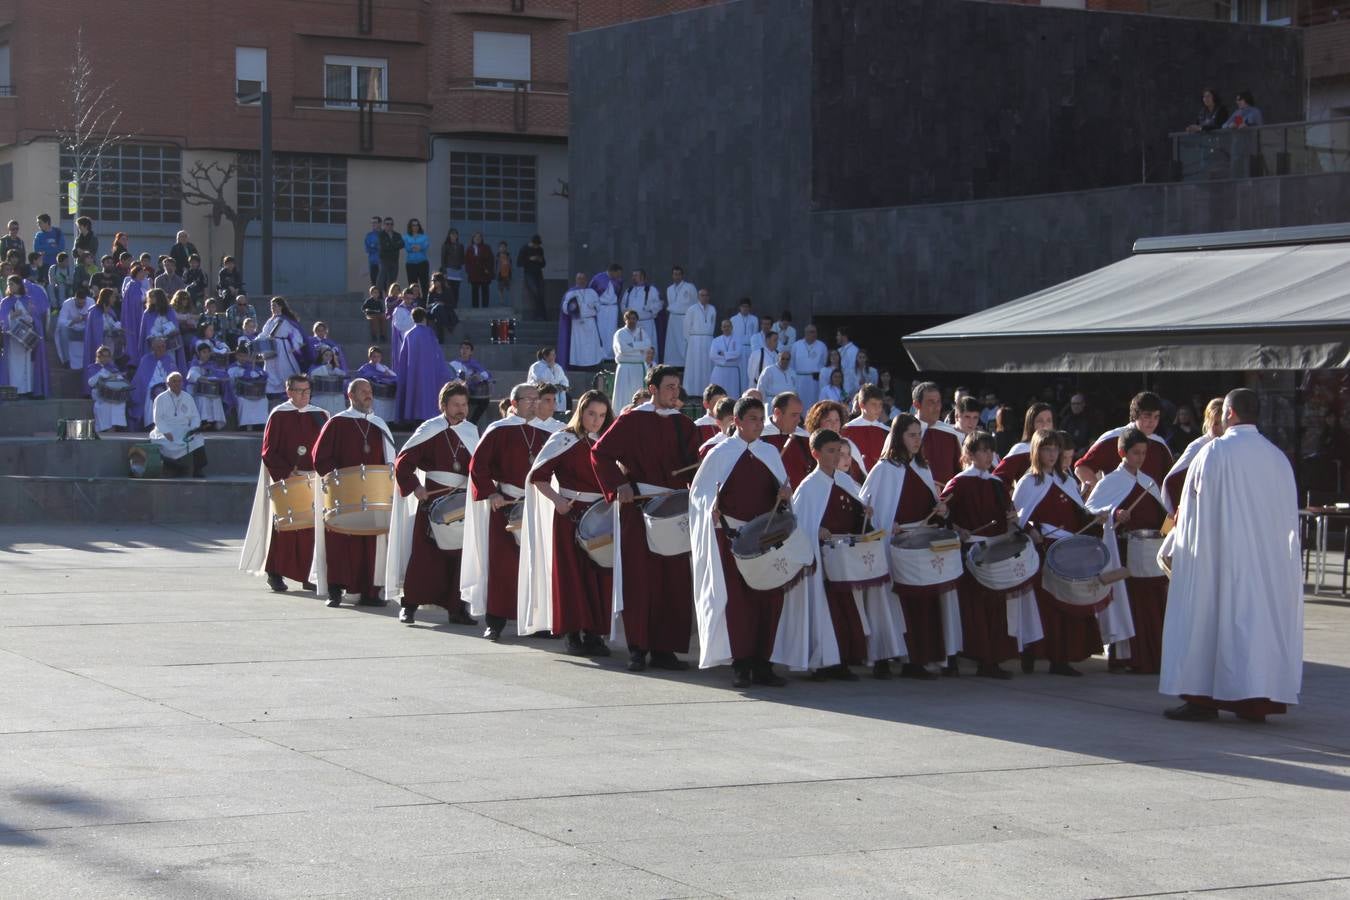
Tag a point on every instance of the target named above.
point(81, 825)
point(1226, 887)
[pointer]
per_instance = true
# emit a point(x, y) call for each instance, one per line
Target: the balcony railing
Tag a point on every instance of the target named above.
point(1291, 148)
point(519, 91)
point(365, 113)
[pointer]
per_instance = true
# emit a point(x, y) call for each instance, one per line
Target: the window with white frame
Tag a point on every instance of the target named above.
point(1263, 12)
point(492, 187)
point(250, 73)
point(500, 60)
point(130, 183)
point(309, 188)
point(349, 81)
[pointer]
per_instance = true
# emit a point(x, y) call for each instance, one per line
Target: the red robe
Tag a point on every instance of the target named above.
point(291, 553)
point(706, 432)
point(845, 515)
point(582, 590)
point(1148, 596)
point(1068, 637)
point(972, 502)
point(1012, 467)
point(658, 591)
point(869, 439)
point(752, 616)
point(433, 574)
point(795, 452)
point(503, 456)
point(1172, 485)
point(351, 558)
point(921, 605)
point(1104, 456)
point(942, 449)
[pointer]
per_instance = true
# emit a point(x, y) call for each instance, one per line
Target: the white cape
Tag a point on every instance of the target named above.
point(1234, 626)
point(258, 539)
point(1116, 621)
point(319, 572)
point(473, 567)
point(534, 602)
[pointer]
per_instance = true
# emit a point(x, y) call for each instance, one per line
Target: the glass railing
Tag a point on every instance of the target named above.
point(1292, 148)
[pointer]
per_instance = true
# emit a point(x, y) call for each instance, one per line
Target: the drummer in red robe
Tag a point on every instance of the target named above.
point(289, 439)
point(1103, 456)
point(784, 431)
point(844, 514)
point(708, 424)
point(353, 437)
point(1050, 508)
point(582, 590)
point(979, 507)
point(941, 442)
point(1010, 469)
point(867, 431)
point(497, 473)
point(441, 449)
point(641, 453)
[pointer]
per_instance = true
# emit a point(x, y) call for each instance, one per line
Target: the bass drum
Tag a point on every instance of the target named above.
point(595, 533)
point(1073, 574)
point(1005, 563)
point(358, 500)
point(667, 522)
point(445, 520)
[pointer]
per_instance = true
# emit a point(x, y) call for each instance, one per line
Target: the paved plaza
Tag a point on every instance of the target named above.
point(171, 729)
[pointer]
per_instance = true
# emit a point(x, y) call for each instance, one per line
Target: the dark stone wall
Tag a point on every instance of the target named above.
point(924, 101)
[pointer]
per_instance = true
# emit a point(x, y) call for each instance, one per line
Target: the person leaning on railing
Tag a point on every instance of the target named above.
point(1213, 114)
point(1247, 114)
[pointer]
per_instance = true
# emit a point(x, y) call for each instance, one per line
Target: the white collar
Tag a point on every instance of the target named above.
point(651, 407)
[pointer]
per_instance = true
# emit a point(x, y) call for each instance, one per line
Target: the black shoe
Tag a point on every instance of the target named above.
point(573, 645)
point(1029, 663)
point(881, 669)
point(664, 659)
point(595, 645)
point(820, 675)
point(842, 672)
point(637, 660)
point(493, 634)
point(1190, 712)
point(917, 672)
point(406, 614)
point(371, 600)
point(335, 596)
point(544, 635)
point(276, 583)
point(764, 674)
point(742, 679)
point(460, 617)
point(1064, 669)
point(309, 586)
point(952, 669)
point(993, 670)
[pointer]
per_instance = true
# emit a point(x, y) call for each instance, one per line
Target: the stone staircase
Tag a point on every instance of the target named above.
point(44, 480)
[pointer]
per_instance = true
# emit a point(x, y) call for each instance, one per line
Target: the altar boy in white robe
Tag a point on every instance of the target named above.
point(700, 323)
point(681, 296)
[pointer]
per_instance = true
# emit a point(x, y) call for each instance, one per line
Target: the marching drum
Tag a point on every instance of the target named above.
point(1005, 563)
point(220, 360)
point(502, 331)
point(1075, 573)
point(384, 390)
point(856, 560)
point(926, 557)
point(115, 340)
point(208, 387)
point(515, 520)
point(445, 520)
point(24, 333)
point(667, 521)
point(771, 560)
point(1141, 553)
point(250, 388)
point(293, 502)
point(265, 347)
point(113, 390)
point(595, 533)
point(358, 499)
point(75, 331)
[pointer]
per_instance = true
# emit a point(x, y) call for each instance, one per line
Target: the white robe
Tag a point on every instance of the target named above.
point(387, 407)
point(18, 359)
point(848, 364)
point(743, 329)
point(534, 602)
point(71, 350)
point(774, 381)
point(248, 411)
point(176, 415)
point(106, 415)
point(786, 335)
point(807, 361)
point(1234, 625)
point(542, 373)
point(258, 537)
point(727, 371)
point(1116, 622)
point(607, 311)
point(332, 403)
point(680, 298)
point(699, 324)
point(630, 352)
point(586, 348)
point(287, 361)
point(211, 409)
point(761, 359)
point(645, 300)
point(163, 368)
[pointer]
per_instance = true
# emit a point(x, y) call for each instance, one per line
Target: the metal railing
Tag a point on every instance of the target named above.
point(520, 92)
point(1290, 148)
point(365, 112)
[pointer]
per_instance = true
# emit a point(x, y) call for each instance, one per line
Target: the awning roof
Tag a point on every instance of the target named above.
point(1270, 299)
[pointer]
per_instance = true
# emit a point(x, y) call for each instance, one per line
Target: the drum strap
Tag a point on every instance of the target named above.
point(580, 496)
point(510, 490)
point(448, 479)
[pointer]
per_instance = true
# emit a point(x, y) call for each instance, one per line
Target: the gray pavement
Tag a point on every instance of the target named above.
point(169, 728)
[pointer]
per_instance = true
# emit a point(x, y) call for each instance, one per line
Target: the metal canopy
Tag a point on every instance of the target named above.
point(1274, 299)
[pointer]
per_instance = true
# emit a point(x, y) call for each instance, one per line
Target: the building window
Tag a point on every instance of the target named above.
point(492, 187)
point(128, 185)
point(1263, 12)
point(307, 189)
point(250, 73)
point(349, 80)
point(6, 85)
point(501, 60)
point(6, 182)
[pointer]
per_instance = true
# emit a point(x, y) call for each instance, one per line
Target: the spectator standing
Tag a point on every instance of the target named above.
point(478, 265)
point(1247, 114)
point(531, 261)
point(12, 242)
point(122, 245)
point(1213, 114)
point(229, 280)
point(503, 274)
point(1076, 420)
point(1183, 431)
point(415, 246)
point(441, 304)
point(372, 245)
point(452, 264)
point(170, 282)
point(195, 279)
point(391, 246)
point(48, 241)
point(85, 239)
point(182, 252)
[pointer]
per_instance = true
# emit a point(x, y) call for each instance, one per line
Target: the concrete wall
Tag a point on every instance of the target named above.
point(386, 188)
point(36, 183)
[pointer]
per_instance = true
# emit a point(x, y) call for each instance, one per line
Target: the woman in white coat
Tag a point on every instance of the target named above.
point(284, 328)
point(547, 371)
point(631, 344)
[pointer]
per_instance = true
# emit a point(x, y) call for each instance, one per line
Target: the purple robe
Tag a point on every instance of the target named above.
point(41, 376)
point(218, 372)
point(140, 385)
point(94, 333)
point(148, 322)
point(564, 349)
point(422, 372)
point(375, 376)
point(251, 372)
point(314, 347)
point(133, 310)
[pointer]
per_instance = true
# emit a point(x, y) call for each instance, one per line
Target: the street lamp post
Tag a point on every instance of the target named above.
point(265, 175)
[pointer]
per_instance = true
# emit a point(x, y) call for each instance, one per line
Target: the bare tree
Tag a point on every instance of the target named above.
point(87, 121)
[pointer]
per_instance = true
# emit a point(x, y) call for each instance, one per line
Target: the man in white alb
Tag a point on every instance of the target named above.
point(744, 327)
point(700, 322)
point(680, 296)
point(764, 357)
point(176, 422)
point(643, 299)
point(777, 378)
point(808, 358)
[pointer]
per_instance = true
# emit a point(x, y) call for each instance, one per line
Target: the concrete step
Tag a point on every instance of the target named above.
point(29, 417)
point(222, 500)
point(228, 454)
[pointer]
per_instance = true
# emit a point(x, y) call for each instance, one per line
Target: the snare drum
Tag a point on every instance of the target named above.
point(265, 347)
point(856, 560)
point(772, 562)
point(208, 387)
point(502, 331)
point(667, 521)
point(358, 499)
point(173, 341)
point(515, 520)
point(250, 388)
point(445, 520)
point(1076, 574)
point(1005, 563)
point(115, 340)
point(595, 533)
point(25, 334)
point(293, 502)
point(384, 390)
point(326, 384)
point(1141, 553)
point(926, 557)
point(113, 390)
point(75, 331)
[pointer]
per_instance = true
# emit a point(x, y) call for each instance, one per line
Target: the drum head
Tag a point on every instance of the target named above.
point(670, 506)
point(920, 538)
point(750, 542)
point(446, 509)
point(1001, 549)
point(596, 522)
point(1079, 556)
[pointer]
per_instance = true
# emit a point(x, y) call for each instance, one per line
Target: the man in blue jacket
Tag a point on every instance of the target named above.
point(48, 241)
point(373, 249)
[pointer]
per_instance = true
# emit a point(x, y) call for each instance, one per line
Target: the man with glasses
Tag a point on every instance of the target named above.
point(373, 250)
point(391, 245)
point(289, 437)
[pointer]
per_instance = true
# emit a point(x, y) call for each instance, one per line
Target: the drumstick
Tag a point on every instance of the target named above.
point(984, 526)
point(678, 472)
point(1127, 509)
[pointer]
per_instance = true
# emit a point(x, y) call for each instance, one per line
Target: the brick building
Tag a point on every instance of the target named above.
point(452, 111)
